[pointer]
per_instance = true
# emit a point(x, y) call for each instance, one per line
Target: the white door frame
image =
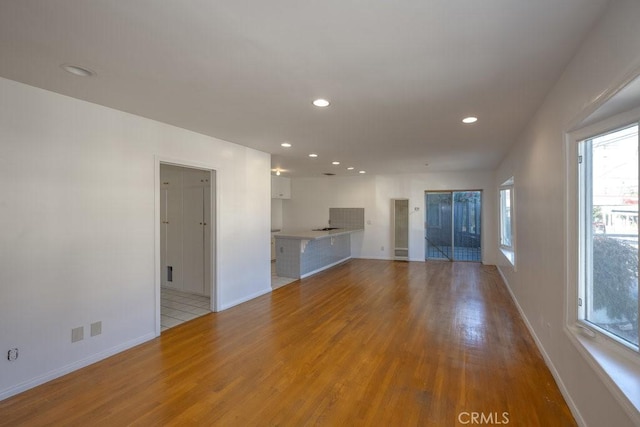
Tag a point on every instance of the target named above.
point(213, 238)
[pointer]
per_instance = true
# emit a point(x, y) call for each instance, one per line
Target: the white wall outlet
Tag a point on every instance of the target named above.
point(96, 328)
point(12, 354)
point(417, 208)
point(368, 222)
point(77, 334)
point(381, 248)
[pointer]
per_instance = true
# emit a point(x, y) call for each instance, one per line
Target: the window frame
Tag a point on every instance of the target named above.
point(615, 363)
point(507, 250)
point(585, 231)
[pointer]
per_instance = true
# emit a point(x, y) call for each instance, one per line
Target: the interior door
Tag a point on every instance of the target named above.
point(194, 225)
point(171, 226)
point(208, 227)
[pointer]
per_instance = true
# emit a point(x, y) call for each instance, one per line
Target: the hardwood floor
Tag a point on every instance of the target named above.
point(375, 343)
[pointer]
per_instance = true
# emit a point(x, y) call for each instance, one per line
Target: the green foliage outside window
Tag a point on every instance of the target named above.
point(615, 277)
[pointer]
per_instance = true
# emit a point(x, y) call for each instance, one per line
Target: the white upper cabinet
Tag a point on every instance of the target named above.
point(280, 187)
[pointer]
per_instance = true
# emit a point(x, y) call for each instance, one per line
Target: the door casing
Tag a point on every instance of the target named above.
point(214, 220)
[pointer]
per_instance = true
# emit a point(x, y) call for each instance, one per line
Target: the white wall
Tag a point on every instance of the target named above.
point(311, 199)
point(537, 162)
point(77, 209)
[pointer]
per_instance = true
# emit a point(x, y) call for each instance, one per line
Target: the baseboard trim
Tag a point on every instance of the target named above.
point(57, 373)
point(245, 299)
point(554, 372)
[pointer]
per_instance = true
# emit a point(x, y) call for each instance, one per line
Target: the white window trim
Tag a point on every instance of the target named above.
point(616, 363)
point(509, 252)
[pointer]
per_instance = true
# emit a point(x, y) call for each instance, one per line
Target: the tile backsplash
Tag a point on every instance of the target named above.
point(346, 217)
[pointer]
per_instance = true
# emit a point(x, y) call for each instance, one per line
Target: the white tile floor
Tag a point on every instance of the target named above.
point(177, 307)
point(277, 281)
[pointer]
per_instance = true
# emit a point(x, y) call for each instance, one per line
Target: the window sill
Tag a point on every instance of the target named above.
point(620, 374)
point(509, 254)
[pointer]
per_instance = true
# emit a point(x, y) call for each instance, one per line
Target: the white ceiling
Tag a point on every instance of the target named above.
point(400, 74)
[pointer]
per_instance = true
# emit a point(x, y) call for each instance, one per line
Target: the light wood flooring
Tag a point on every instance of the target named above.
point(371, 343)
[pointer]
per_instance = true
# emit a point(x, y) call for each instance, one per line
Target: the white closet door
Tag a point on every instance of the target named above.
point(207, 234)
point(185, 197)
point(194, 226)
point(171, 227)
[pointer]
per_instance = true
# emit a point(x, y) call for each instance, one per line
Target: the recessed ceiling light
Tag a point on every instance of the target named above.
point(321, 103)
point(77, 70)
point(335, 163)
point(350, 168)
point(313, 155)
point(469, 120)
point(362, 172)
point(285, 145)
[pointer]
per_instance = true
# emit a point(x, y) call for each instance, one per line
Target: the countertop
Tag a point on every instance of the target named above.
point(313, 235)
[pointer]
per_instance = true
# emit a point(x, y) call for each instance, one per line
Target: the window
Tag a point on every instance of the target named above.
point(608, 234)
point(506, 220)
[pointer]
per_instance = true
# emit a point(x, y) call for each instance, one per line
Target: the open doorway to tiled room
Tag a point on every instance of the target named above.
point(177, 307)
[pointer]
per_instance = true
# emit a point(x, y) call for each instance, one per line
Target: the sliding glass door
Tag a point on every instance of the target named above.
point(453, 225)
point(439, 236)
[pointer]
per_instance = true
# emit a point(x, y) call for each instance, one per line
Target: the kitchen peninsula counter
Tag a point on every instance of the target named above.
point(300, 254)
point(316, 234)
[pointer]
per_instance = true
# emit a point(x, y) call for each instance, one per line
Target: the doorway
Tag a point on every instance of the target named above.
point(186, 236)
point(453, 225)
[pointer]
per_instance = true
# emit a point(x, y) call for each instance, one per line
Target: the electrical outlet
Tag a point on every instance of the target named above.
point(77, 334)
point(12, 354)
point(381, 248)
point(96, 328)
